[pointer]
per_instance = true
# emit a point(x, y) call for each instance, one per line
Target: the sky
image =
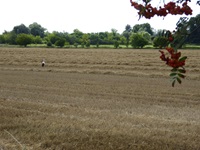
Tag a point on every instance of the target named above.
point(87, 16)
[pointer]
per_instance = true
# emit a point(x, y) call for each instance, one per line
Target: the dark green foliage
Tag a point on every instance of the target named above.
point(116, 44)
point(160, 42)
point(24, 39)
point(37, 40)
point(49, 44)
point(2, 39)
point(127, 34)
point(194, 30)
point(76, 45)
point(67, 45)
point(128, 28)
point(138, 41)
point(36, 29)
point(21, 29)
point(60, 42)
point(52, 37)
point(94, 38)
point(123, 41)
point(87, 44)
point(77, 36)
point(82, 45)
point(127, 37)
point(10, 37)
point(177, 74)
point(143, 27)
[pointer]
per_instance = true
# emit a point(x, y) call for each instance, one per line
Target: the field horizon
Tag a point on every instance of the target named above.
point(99, 99)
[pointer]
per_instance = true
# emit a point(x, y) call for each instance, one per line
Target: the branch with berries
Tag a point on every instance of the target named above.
point(177, 63)
point(170, 55)
point(174, 8)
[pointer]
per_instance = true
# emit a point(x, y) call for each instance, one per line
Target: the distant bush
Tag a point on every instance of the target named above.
point(2, 39)
point(116, 44)
point(49, 44)
point(138, 41)
point(60, 42)
point(87, 44)
point(24, 39)
point(76, 45)
point(37, 40)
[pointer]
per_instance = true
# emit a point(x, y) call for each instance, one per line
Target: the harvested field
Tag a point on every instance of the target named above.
point(96, 99)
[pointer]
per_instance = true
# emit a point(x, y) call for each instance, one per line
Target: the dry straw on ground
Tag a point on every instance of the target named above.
point(96, 99)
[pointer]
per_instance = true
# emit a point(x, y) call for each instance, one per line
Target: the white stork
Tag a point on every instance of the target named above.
point(43, 62)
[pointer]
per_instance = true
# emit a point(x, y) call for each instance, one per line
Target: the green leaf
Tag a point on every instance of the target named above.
point(179, 80)
point(173, 83)
point(183, 58)
point(181, 75)
point(173, 74)
point(181, 70)
point(174, 70)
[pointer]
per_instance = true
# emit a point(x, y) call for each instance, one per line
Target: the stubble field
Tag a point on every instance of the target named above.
point(96, 99)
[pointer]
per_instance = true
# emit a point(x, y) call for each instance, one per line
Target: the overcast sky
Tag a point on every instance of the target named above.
point(86, 15)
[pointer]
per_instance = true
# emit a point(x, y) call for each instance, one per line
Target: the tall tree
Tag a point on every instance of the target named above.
point(36, 29)
point(85, 41)
point(128, 28)
point(78, 34)
point(94, 39)
point(194, 30)
point(21, 29)
point(143, 27)
point(127, 34)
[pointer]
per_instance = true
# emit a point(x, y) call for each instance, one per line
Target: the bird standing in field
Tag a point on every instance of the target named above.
point(43, 62)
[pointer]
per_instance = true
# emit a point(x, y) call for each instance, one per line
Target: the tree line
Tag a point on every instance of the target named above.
point(137, 36)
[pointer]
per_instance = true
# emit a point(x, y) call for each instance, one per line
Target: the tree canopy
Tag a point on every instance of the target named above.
point(40, 35)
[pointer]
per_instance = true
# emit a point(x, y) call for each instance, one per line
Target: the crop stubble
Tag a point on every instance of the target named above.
point(96, 99)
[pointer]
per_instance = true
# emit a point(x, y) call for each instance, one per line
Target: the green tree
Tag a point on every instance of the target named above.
point(143, 27)
point(10, 37)
point(2, 39)
point(52, 37)
point(138, 41)
point(160, 41)
point(60, 42)
point(123, 41)
point(116, 44)
point(146, 35)
point(105, 38)
point(85, 41)
point(36, 29)
point(24, 39)
point(37, 40)
point(72, 39)
point(194, 30)
point(21, 29)
point(87, 44)
point(127, 34)
point(128, 28)
point(78, 34)
point(95, 39)
point(115, 38)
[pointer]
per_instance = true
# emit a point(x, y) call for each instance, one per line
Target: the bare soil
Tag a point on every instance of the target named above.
point(96, 99)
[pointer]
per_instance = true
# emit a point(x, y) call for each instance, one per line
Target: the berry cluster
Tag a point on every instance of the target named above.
point(170, 8)
point(174, 60)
